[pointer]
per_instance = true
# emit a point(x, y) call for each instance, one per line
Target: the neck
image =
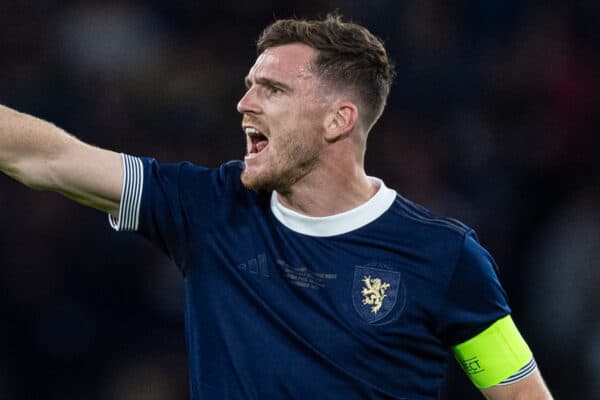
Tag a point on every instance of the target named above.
point(328, 191)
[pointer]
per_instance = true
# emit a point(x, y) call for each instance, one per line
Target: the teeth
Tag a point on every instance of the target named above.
point(250, 131)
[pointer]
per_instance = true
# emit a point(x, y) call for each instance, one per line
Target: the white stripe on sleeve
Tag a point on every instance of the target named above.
point(131, 195)
point(521, 374)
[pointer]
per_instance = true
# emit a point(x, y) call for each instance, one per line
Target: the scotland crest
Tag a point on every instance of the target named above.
point(375, 292)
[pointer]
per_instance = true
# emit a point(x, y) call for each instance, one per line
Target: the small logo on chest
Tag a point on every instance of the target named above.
point(375, 292)
point(256, 266)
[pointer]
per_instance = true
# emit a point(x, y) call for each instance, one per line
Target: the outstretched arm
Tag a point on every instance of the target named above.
point(43, 156)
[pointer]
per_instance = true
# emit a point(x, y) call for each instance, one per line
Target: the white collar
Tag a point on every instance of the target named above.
point(336, 224)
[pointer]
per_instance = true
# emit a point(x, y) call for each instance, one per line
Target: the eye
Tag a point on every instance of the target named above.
point(273, 89)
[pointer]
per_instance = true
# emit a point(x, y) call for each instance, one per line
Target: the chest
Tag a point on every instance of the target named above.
point(367, 282)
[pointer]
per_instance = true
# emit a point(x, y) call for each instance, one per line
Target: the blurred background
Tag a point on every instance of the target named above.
point(493, 119)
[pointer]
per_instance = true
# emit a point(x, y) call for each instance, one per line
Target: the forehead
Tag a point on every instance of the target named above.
point(285, 63)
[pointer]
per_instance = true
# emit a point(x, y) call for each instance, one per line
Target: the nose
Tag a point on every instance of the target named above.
point(248, 103)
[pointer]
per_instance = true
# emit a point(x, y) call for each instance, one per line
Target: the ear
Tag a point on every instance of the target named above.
point(340, 121)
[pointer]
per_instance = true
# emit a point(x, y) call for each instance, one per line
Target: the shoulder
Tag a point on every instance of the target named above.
point(437, 236)
point(226, 172)
point(454, 243)
point(190, 177)
point(419, 216)
point(229, 167)
point(195, 185)
point(430, 243)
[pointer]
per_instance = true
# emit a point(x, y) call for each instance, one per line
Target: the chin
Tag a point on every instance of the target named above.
point(251, 180)
point(247, 181)
point(258, 181)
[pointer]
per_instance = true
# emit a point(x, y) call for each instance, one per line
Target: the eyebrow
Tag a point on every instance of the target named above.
point(267, 82)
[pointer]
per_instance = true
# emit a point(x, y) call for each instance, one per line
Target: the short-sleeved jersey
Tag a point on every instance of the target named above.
point(366, 304)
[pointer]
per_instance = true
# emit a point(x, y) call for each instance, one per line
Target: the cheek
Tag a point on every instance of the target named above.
point(309, 117)
point(297, 124)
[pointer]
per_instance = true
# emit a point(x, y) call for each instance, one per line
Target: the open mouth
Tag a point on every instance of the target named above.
point(257, 142)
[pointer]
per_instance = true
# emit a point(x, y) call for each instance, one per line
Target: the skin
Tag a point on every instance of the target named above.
point(43, 156)
point(530, 388)
point(314, 159)
point(315, 156)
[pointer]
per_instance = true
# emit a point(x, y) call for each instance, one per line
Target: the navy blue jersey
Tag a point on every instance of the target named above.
point(366, 304)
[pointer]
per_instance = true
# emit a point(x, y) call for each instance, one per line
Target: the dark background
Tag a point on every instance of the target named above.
point(493, 119)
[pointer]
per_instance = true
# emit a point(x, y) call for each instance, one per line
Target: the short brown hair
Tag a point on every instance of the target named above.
point(347, 55)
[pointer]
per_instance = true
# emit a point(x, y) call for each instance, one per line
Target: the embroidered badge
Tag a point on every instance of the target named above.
point(375, 292)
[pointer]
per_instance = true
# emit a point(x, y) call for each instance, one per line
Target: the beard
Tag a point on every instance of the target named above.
point(295, 159)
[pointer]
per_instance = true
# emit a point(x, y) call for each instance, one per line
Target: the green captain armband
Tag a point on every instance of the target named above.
point(494, 354)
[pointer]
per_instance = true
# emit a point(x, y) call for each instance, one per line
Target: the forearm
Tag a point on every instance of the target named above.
point(29, 146)
point(43, 156)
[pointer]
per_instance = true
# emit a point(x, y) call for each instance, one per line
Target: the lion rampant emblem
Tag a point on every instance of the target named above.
point(374, 292)
point(378, 293)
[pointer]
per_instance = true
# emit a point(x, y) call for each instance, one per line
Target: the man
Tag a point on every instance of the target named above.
point(304, 276)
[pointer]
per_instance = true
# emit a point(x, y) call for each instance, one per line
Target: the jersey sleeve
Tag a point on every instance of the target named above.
point(131, 194)
point(477, 325)
point(151, 204)
point(176, 205)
